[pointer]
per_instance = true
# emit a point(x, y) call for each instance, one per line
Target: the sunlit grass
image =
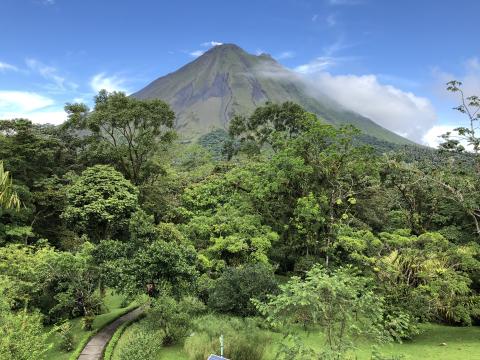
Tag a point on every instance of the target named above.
point(462, 343)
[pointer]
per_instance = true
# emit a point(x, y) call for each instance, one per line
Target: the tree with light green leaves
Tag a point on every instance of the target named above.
point(343, 304)
point(23, 336)
point(8, 198)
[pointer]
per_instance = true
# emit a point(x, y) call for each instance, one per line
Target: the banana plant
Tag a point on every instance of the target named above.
point(8, 198)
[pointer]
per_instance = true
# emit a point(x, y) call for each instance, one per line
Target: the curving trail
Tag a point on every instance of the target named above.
point(96, 345)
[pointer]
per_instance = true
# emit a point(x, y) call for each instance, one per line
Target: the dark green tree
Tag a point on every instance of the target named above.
point(100, 203)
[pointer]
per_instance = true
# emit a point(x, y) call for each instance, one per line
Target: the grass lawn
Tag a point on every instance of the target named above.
point(462, 344)
point(113, 305)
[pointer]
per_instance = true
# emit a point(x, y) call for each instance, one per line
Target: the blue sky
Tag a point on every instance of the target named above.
point(386, 59)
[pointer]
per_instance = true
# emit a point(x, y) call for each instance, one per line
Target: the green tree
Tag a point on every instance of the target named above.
point(173, 318)
point(464, 192)
point(470, 106)
point(100, 203)
point(37, 156)
point(157, 260)
point(269, 124)
point(8, 198)
point(23, 336)
point(61, 285)
point(34, 152)
point(234, 289)
point(342, 303)
point(131, 130)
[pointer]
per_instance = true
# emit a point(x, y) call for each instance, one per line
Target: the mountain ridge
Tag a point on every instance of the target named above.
point(226, 80)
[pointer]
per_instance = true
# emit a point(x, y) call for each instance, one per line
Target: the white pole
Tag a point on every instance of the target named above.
point(221, 345)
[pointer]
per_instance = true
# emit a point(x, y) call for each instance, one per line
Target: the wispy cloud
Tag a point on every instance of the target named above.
point(48, 2)
point(211, 43)
point(101, 81)
point(318, 64)
point(7, 67)
point(59, 83)
point(196, 53)
point(206, 44)
point(22, 101)
point(285, 55)
point(470, 78)
point(314, 17)
point(29, 105)
point(336, 47)
point(346, 2)
point(327, 60)
point(331, 20)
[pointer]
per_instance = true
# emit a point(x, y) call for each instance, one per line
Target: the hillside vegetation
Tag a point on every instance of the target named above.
point(291, 237)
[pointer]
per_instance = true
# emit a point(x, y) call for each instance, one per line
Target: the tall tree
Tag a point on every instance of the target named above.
point(100, 203)
point(131, 130)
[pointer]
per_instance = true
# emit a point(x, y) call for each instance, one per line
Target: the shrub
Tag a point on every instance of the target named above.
point(400, 325)
point(237, 286)
point(173, 318)
point(87, 322)
point(64, 331)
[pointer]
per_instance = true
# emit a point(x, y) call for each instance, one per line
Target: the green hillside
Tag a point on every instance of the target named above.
point(226, 80)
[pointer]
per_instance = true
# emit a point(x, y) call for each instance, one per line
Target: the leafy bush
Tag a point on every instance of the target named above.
point(341, 302)
point(64, 332)
point(400, 325)
point(236, 286)
point(242, 339)
point(87, 322)
point(173, 318)
point(292, 348)
point(22, 334)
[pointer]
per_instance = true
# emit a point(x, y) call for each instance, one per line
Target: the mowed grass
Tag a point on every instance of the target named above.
point(113, 307)
point(462, 343)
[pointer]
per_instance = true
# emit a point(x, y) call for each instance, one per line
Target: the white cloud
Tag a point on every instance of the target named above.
point(196, 53)
point(48, 2)
point(319, 64)
point(285, 55)
point(110, 83)
point(211, 43)
point(327, 60)
point(33, 106)
point(470, 79)
point(4, 67)
point(54, 117)
point(22, 101)
point(50, 73)
point(331, 20)
point(432, 136)
point(399, 111)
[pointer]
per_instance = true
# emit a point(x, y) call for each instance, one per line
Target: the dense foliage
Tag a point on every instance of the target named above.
point(368, 243)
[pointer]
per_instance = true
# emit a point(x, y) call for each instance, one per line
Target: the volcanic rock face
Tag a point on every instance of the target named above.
point(226, 80)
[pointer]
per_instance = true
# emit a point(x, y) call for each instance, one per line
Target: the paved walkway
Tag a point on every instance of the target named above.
point(95, 347)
